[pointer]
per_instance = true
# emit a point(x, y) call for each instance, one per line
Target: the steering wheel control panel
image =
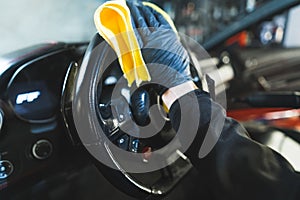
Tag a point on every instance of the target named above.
point(33, 142)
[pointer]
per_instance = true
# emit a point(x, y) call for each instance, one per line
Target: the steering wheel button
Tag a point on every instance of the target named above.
point(123, 142)
point(135, 145)
point(6, 169)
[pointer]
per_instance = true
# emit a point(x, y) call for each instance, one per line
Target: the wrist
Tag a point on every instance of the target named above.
point(174, 93)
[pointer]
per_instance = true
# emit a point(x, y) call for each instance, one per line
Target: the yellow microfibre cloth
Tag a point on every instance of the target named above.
point(113, 22)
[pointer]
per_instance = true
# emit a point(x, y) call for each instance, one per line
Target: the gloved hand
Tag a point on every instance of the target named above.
point(165, 57)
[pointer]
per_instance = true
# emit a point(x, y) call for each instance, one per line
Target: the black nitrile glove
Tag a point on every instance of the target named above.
point(165, 57)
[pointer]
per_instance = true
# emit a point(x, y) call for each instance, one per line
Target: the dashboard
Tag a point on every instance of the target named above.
point(33, 140)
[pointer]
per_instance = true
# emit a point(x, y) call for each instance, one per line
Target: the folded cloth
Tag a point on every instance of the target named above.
point(113, 22)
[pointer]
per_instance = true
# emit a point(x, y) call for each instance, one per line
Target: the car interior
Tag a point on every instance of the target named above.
point(251, 55)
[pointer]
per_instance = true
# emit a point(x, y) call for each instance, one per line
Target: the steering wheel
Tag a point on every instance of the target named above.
point(139, 165)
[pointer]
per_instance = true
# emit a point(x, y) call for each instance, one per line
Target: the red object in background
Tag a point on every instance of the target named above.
point(241, 39)
point(280, 117)
point(147, 152)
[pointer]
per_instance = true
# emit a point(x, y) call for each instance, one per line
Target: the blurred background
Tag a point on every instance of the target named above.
point(27, 22)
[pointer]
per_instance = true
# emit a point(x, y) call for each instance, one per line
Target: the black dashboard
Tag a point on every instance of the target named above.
point(33, 140)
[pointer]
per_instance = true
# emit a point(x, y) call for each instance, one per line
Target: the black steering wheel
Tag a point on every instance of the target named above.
point(138, 162)
point(139, 165)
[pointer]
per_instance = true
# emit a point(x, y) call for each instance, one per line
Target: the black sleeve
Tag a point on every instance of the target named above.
point(236, 167)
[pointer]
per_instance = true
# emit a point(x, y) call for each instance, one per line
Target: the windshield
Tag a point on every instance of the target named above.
point(29, 22)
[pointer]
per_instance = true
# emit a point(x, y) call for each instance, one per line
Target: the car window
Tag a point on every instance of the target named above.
point(27, 22)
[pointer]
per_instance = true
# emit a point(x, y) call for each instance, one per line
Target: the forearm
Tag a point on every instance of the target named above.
point(237, 167)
